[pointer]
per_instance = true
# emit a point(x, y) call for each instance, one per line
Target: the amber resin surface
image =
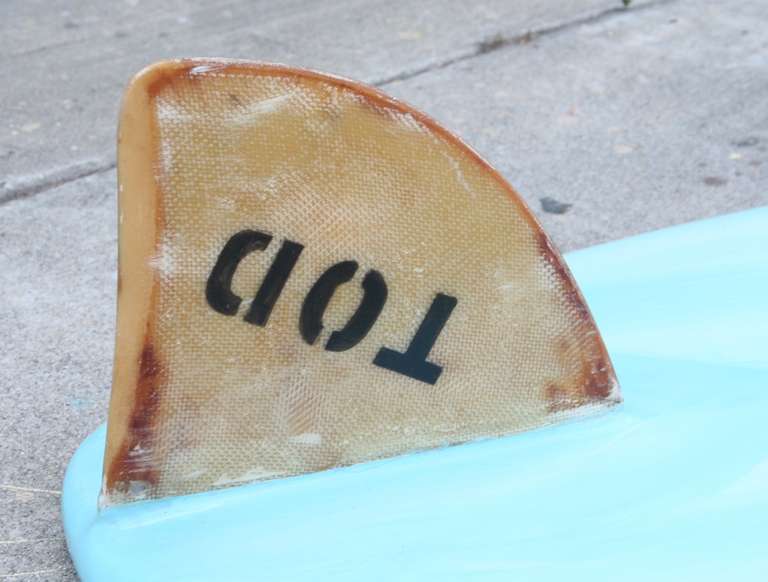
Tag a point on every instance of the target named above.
point(313, 275)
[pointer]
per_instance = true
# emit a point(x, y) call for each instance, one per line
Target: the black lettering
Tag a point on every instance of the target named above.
point(413, 362)
point(273, 283)
point(218, 290)
point(316, 301)
point(366, 314)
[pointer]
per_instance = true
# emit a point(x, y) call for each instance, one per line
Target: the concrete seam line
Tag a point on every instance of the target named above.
point(499, 41)
point(26, 186)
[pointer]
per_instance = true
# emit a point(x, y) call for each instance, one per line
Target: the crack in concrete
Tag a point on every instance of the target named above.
point(500, 41)
point(30, 185)
point(23, 489)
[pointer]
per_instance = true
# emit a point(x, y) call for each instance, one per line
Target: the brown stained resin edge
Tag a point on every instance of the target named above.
point(139, 370)
point(138, 467)
point(597, 378)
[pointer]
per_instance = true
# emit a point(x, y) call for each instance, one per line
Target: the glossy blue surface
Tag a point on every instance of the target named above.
point(673, 485)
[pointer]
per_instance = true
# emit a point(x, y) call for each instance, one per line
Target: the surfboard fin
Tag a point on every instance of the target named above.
point(313, 275)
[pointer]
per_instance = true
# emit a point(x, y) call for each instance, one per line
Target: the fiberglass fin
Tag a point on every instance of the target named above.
point(313, 275)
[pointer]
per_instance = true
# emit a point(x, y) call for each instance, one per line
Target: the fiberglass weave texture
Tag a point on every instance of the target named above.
point(350, 177)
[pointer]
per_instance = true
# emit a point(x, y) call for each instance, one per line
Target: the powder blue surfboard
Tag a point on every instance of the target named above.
point(671, 485)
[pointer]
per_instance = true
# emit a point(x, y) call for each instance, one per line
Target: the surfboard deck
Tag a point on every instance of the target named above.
point(671, 486)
